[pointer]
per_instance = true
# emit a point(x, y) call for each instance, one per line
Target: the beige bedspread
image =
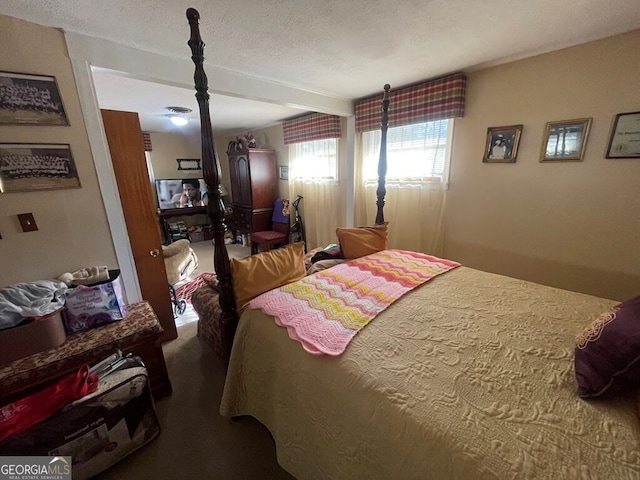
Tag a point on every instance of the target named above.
point(470, 376)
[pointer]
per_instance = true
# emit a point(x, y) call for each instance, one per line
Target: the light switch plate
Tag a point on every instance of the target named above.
point(27, 222)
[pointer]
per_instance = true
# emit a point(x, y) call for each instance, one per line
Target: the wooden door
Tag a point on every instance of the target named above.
point(264, 185)
point(124, 136)
point(240, 179)
point(244, 180)
point(234, 177)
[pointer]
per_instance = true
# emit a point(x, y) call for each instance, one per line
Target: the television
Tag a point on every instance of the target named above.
point(169, 191)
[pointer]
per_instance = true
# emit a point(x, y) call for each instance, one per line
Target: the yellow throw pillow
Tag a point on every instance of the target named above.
point(360, 241)
point(254, 275)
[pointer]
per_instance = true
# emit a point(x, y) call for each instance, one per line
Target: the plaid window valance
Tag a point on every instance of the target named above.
point(423, 102)
point(313, 126)
point(146, 137)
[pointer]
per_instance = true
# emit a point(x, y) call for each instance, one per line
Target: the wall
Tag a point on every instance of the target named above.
point(573, 225)
point(73, 231)
point(167, 147)
point(272, 137)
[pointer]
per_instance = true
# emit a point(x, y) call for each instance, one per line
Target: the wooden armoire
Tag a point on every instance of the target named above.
point(254, 188)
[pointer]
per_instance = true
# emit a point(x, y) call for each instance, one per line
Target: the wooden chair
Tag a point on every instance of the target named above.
point(279, 233)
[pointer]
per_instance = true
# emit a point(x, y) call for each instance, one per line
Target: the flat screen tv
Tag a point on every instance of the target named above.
point(169, 191)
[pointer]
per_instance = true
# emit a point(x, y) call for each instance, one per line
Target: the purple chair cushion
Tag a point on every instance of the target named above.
point(607, 355)
point(278, 215)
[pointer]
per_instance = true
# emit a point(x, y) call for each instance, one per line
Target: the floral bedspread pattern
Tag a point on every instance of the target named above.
point(326, 310)
point(467, 377)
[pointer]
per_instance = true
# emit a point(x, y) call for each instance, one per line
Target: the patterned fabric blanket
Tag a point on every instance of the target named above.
point(326, 310)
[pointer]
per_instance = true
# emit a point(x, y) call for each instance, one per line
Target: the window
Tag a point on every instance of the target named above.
point(315, 161)
point(417, 154)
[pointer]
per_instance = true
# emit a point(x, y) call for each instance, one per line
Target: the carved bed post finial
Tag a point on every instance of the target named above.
point(212, 173)
point(382, 162)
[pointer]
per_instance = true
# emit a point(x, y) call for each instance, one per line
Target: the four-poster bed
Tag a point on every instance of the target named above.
point(469, 375)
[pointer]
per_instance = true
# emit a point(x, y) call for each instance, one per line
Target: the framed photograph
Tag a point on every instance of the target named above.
point(625, 136)
point(502, 144)
point(565, 141)
point(188, 163)
point(283, 172)
point(30, 100)
point(26, 167)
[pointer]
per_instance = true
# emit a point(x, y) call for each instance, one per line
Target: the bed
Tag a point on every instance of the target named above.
point(468, 376)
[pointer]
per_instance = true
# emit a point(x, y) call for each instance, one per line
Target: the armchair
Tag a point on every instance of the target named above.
point(180, 260)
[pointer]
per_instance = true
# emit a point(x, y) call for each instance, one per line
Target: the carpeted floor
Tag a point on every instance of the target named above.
point(196, 442)
point(204, 252)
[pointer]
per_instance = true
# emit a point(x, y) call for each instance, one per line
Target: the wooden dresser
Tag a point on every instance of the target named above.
point(254, 188)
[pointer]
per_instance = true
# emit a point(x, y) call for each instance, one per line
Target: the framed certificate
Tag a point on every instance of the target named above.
point(625, 136)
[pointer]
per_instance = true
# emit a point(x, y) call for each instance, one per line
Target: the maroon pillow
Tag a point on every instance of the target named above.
point(607, 356)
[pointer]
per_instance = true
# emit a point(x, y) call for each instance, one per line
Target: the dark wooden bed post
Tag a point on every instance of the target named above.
point(382, 162)
point(212, 173)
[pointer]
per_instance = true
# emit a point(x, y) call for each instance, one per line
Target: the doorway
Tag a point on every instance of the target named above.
point(124, 138)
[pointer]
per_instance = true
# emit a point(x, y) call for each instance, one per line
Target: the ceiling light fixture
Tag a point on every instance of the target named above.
point(179, 116)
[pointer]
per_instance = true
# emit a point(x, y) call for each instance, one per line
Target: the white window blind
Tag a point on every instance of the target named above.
point(315, 161)
point(417, 155)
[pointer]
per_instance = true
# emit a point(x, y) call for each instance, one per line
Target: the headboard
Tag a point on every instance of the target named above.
point(211, 172)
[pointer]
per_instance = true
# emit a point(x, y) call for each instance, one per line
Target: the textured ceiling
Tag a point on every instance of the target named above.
point(345, 49)
point(230, 115)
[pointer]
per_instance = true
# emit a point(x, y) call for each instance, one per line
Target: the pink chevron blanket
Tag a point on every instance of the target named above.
point(326, 310)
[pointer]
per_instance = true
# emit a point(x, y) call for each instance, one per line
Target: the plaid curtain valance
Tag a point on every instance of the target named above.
point(423, 102)
point(146, 137)
point(313, 126)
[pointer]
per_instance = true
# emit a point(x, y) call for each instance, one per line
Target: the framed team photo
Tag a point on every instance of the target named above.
point(27, 167)
point(30, 100)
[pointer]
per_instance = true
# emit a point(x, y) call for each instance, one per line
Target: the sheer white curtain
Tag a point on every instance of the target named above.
point(313, 173)
point(417, 175)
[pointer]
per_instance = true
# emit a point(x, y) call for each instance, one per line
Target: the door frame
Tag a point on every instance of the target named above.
point(107, 180)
